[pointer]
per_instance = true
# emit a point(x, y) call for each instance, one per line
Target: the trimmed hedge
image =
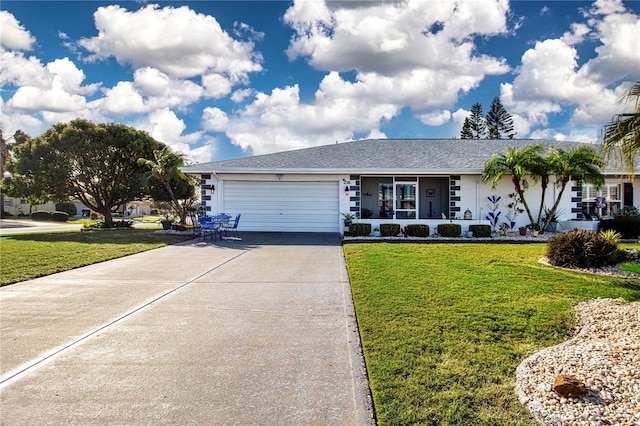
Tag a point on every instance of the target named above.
point(627, 226)
point(59, 216)
point(389, 229)
point(41, 216)
point(417, 230)
point(68, 207)
point(359, 229)
point(450, 229)
point(480, 231)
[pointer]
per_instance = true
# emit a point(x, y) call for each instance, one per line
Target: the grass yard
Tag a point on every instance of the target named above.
point(444, 326)
point(26, 256)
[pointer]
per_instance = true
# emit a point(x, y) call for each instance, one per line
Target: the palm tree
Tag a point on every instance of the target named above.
point(518, 164)
point(578, 164)
point(622, 134)
point(163, 168)
point(541, 170)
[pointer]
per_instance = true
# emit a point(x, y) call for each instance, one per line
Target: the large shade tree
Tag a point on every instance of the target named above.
point(94, 163)
point(166, 182)
point(622, 134)
point(516, 164)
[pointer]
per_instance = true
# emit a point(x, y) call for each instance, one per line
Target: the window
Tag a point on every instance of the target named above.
point(385, 199)
point(601, 202)
point(8, 202)
point(409, 197)
point(405, 200)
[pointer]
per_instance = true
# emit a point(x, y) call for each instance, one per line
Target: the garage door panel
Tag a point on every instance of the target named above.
point(284, 206)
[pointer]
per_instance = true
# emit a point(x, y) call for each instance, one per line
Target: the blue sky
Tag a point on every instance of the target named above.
point(223, 79)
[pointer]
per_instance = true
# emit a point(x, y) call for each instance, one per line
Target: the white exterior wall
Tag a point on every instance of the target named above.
point(474, 193)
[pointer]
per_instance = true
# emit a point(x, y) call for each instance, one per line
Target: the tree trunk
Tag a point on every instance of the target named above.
point(108, 217)
point(520, 192)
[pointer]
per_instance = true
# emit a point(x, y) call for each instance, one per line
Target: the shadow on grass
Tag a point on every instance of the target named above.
point(630, 284)
point(124, 236)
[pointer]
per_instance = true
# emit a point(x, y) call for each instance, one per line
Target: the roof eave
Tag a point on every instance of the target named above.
point(336, 171)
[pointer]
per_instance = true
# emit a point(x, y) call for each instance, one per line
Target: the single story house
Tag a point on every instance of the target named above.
point(404, 181)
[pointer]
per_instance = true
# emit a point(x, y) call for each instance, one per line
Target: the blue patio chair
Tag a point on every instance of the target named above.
point(207, 226)
point(232, 227)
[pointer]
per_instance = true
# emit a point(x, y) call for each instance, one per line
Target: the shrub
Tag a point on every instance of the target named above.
point(581, 248)
point(59, 216)
point(628, 211)
point(450, 229)
point(359, 229)
point(68, 207)
point(41, 216)
point(389, 229)
point(120, 224)
point(480, 231)
point(417, 230)
point(627, 226)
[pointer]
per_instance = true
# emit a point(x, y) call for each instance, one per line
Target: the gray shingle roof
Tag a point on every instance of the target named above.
point(380, 155)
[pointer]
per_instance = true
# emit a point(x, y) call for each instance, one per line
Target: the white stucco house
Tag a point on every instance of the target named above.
point(386, 180)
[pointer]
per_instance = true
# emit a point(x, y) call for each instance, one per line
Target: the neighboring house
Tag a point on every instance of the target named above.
point(385, 180)
point(20, 207)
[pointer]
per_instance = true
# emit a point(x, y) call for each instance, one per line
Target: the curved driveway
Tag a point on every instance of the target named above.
point(259, 331)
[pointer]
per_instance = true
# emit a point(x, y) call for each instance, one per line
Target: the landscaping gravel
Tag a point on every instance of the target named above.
point(604, 355)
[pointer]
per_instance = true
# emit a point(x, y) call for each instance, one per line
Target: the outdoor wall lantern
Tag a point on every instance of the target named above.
point(213, 189)
point(346, 190)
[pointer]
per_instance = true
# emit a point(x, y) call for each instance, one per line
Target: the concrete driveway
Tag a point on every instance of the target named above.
point(259, 331)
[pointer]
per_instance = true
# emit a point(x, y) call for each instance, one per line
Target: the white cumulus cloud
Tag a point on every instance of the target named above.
point(214, 119)
point(416, 53)
point(551, 80)
point(176, 41)
point(14, 36)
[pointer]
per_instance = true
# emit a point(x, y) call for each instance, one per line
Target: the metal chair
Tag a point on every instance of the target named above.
point(232, 227)
point(206, 226)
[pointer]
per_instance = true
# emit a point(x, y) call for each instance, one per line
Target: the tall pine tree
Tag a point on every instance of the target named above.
point(477, 128)
point(466, 130)
point(499, 121)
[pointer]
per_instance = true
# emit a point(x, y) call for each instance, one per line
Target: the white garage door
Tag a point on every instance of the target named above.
point(284, 206)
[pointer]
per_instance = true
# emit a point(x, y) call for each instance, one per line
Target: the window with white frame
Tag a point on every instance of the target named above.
point(601, 202)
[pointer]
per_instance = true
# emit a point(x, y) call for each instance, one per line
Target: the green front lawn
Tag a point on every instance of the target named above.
point(27, 256)
point(444, 326)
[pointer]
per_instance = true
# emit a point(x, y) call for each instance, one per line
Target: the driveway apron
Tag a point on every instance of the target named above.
point(256, 331)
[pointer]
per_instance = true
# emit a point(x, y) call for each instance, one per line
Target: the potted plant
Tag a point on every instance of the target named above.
point(348, 218)
point(166, 223)
point(376, 232)
point(553, 222)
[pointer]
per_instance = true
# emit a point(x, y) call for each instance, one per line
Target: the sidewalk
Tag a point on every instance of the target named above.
point(260, 331)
